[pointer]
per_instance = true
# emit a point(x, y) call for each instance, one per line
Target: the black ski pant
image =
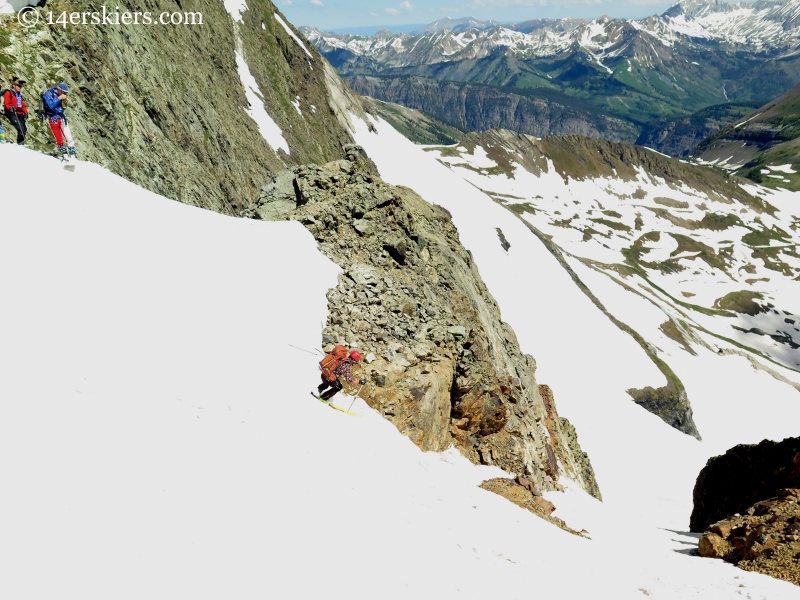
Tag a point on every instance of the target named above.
point(19, 123)
point(335, 386)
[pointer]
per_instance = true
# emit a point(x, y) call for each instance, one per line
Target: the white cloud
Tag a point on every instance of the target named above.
point(315, 2)
point(392, 11)
point(407, 5)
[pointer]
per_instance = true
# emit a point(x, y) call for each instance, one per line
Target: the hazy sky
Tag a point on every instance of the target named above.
point(337, 14)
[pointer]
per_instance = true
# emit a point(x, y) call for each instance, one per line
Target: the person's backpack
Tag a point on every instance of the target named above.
point(331, 361)
point(43, 110)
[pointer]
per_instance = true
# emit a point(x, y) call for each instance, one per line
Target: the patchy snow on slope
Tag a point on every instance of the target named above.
point(269, 129)
point(293, 35)
point(690, 243)
point(646, 469)
point(296, 104)
point(235, 8)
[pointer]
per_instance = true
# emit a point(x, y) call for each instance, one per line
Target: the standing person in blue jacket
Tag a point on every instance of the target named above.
point(55, 100)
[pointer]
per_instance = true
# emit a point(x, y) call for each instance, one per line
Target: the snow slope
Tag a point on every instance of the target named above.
point(609, 220)
point(645, 469)
point(158, 439)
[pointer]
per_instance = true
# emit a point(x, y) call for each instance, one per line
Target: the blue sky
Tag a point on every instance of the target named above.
point(337, 14)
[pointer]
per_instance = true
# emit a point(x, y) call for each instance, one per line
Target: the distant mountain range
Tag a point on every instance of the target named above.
point(646, 73)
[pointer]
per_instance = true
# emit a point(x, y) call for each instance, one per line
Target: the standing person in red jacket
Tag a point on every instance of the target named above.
point(16, 110)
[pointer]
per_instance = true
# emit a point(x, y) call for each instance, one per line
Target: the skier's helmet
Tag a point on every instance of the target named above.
point(355, 355)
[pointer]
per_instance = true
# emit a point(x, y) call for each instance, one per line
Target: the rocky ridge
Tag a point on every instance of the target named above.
point(763, 145)
point(440, 363)
point(521, 492)
point(165, 107)
point(473, 107)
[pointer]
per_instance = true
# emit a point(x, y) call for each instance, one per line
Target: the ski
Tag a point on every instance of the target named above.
point(345, 411)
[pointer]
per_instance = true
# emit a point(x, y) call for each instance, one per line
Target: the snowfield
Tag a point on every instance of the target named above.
point(159, 440)
point(608, 219)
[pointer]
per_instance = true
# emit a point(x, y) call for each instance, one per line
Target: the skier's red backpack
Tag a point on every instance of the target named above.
point(331, 361)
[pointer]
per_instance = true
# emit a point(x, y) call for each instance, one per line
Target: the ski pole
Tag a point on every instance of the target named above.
point(302, 349)
point(357, 393)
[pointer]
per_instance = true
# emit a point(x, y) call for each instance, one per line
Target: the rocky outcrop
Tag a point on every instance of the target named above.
point(765, 539)
point(164, 106)
point(744, 475)
point(523, 494)
point(472, 107)
point(440, 363)
point(565, 445)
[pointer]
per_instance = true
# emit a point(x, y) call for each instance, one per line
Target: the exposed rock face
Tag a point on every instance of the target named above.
point(565, 444)
point(765, 539)
point(526, 498)
point(669, 402)
point(741, 477)
point(445, 369)
point(164, 106)
point(473, 107)
point(678, 136)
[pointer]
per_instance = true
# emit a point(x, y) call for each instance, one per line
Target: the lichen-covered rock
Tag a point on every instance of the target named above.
point(165, 107)
point(446, 369)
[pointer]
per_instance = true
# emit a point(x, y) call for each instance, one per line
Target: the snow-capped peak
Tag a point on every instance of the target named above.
point(748, 26)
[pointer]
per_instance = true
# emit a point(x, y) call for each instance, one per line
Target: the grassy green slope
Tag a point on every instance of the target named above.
point(768, 137)
point(417, 126)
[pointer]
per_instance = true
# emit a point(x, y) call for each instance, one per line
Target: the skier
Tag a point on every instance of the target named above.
point(55, 100)
point(335, 365)
point(16, 110)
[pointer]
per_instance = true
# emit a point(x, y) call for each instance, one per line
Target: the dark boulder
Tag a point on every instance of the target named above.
point(743, 476)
